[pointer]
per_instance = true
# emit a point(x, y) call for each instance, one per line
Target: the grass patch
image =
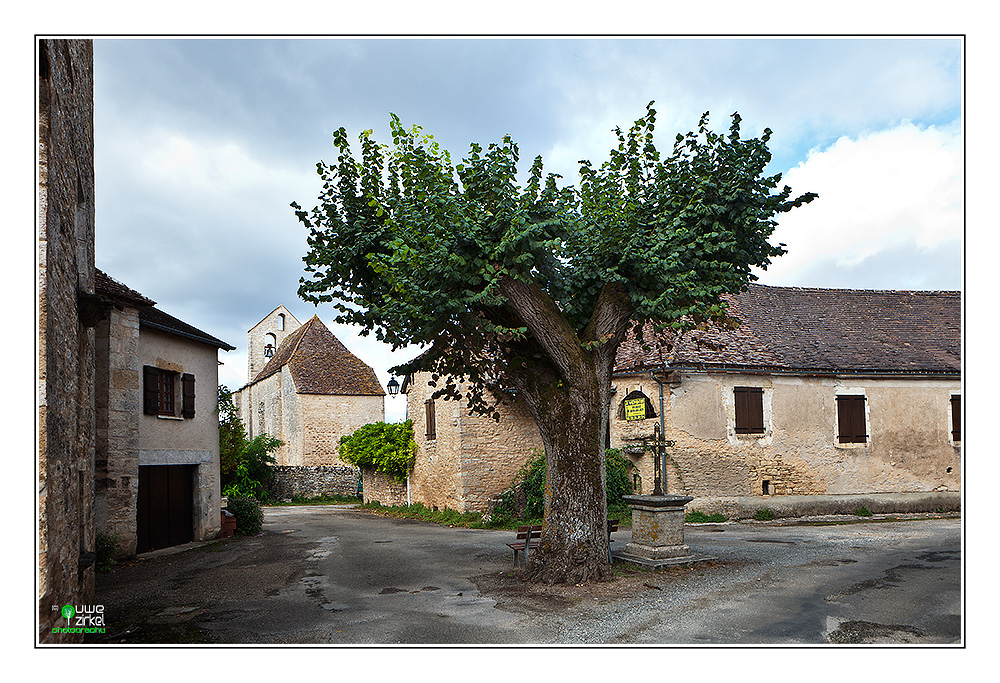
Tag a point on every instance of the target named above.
point(764, 515)
point(697, 517)
point(318, 500)
point(470, 520)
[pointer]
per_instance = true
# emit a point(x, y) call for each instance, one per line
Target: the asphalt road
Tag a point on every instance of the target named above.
point(329, 575)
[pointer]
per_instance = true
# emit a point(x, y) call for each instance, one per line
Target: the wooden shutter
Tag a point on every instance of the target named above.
point(749, 410)
point(956, 418)
point(851, 419)
point(431, 432)
point(187, 402)
point(151, 390)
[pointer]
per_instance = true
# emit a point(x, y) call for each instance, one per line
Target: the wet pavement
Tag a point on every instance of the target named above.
point(333, 575)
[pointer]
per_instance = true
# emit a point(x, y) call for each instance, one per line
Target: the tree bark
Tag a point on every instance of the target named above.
point(565, 380)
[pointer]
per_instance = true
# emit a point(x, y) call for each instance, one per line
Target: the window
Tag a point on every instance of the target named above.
point(956, 418)
point(749, 410)
point(635, 406)
point(160, 392)
point(431, 432)
point(851, 421)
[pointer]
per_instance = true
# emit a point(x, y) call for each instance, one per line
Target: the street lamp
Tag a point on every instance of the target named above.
point(393, 386)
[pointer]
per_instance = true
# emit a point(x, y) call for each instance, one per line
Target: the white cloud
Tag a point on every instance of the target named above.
point(896, 190)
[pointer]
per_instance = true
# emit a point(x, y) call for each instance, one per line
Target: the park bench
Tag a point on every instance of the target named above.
point(528, 536)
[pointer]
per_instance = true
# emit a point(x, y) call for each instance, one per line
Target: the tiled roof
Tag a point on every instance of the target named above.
point(107, 288)
point(321, 364)
point(793, 328)
point(157, 319)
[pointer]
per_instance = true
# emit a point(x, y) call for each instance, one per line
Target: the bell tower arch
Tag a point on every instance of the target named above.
point(265, 337)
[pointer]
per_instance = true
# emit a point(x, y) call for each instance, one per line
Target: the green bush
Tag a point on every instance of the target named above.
point(764, 515)
point(387, 448)
point(105, 547)
point(249, 515)
point(528, 490)
point(863, 512)
point(245, 465)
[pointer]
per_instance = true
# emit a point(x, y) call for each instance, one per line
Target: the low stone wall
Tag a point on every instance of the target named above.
point(382, 488)
point(311, 481)
point(744, 507)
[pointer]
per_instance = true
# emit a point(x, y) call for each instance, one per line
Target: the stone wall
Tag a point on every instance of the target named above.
point(382, 488)
point(909, 447)
point(472, 458)
point(315, 481)
point(66, 365)
point(119, 404)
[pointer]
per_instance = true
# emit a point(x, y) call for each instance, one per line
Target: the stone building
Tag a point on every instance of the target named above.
point(67, 312)
point(816, 391)
point(157, 451)
point(307, 389)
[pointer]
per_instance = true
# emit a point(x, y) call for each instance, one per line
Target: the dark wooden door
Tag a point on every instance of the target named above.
point(165, 509)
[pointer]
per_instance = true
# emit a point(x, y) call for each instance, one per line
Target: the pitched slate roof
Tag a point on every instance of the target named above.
point(320, 364)
point(823, 330)
point(110, 289)
point(158, 320)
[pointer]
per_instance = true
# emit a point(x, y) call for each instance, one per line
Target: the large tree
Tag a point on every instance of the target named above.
point(527, 291)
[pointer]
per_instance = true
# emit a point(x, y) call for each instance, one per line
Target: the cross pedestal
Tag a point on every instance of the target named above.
point(657, 527)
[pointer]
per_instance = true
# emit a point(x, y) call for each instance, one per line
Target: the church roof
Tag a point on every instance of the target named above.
point(810, 329)
point(320, 364)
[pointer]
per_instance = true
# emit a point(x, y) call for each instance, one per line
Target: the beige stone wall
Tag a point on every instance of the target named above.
point(909, 448)
point(327, 418)
point(473, 458)
point(309, 425)
point(66, 365)
point(273, 329)
point(186, 441)
point(119, 405)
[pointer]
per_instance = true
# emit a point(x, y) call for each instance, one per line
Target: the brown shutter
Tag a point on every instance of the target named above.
point(187, 403)
point(851, 419)
point(151, 390)
point(749, 410)
point(956, 418)
point(431, 432)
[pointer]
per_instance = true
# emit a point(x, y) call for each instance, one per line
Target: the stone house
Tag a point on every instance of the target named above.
point(157, 436)
point(65, 321)
point(816, 391)
point(307, 389)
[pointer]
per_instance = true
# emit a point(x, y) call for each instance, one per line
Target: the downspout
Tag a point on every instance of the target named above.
point(663, 435)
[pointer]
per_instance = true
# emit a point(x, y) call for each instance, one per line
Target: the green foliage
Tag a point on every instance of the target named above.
point(105, 547)
point(421, 251)
point(697, 517)
point(863, 512)
point(763, 515)
point(318, 500)
point(387, 448)
point(249, 514)
point(526, 496)
point(245, 465)
point(470, 520)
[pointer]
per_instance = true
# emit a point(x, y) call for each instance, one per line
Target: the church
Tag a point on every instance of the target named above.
point(307, 389)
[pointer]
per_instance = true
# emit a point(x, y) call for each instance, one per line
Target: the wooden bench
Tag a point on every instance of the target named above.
point(528, 538)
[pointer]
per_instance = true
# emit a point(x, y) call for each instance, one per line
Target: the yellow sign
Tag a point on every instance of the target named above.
point(635, 409)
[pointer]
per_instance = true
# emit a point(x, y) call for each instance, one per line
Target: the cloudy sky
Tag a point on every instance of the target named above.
point(201, 144)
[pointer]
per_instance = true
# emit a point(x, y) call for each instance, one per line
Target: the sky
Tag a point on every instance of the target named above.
point(202, 144)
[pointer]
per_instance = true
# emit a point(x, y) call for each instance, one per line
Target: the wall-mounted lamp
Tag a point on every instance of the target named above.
point(393, 386)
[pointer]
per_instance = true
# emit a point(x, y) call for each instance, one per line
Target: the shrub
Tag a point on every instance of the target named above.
point(105, 547)
point(387, 448)
point(528, 490)
point(249, 515)
point(245, 465)
point(764, 515)
point(863, 512)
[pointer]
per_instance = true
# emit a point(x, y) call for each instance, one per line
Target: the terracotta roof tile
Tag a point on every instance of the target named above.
point(157, 319)
point(797, 328)
point(321, 364)
point(107, 288)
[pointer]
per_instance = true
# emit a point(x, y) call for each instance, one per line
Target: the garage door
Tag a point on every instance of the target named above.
point(165, 509)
